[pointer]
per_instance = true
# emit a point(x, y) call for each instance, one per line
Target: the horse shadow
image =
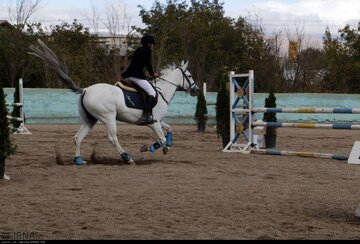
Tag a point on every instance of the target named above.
point(96, 160)
point(99, 160)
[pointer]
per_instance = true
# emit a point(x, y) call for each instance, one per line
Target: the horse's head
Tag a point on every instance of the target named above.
point(188, 84)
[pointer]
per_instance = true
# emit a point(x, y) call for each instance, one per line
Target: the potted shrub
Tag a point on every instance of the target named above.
point(270, 132)
point(223, 113)
point(201, 113)
point(6, 146)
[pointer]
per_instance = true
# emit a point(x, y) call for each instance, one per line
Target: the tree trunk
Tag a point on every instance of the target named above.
point(225, 140)
point(201, 127)
point(2, 168)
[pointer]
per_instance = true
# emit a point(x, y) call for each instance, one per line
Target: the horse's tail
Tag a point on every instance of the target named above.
point(49, 57)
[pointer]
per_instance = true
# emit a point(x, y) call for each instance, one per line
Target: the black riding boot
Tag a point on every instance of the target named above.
point(147, 117)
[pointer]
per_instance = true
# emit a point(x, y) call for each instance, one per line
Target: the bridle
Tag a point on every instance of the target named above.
point(185, 78)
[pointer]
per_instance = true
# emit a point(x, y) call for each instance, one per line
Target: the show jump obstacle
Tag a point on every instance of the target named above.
point(22, 129)
point(243, 124)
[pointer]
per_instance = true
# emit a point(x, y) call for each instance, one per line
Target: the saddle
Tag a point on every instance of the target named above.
point(123, 84)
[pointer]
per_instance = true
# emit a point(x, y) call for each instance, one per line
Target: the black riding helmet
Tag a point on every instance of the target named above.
point(147, 39)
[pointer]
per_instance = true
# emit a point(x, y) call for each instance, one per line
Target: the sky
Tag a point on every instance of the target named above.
point(310, 16)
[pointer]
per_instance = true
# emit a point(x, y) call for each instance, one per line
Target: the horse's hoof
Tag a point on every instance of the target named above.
point(131, 162)
point(165, 150)
point(156, 146)
point(144, 148)
point(126, 157)
point(79, 161)
point(6, 177)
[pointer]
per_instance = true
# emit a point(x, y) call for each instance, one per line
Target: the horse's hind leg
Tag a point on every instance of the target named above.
point(112, 136)
point(167, 127)
point(87, 124)
point(85, 128)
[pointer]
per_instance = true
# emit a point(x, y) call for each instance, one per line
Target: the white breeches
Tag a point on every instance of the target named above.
point(144, 84)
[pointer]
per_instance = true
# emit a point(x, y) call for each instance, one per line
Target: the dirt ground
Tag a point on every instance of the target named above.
point(194, 192)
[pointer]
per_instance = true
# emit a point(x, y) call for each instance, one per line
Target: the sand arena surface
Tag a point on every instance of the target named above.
point(194, 192)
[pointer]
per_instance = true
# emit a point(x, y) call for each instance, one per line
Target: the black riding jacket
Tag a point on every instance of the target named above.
point(140, 59)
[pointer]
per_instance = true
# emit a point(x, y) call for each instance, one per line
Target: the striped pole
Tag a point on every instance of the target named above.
point(305, 110)
point(15, 118)
point(14, 104)
point(300, 154)
point(308, 125)
point(13, 129)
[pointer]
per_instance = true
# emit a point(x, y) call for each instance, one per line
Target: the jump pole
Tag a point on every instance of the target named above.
point(308, 125)
point(305, 110)
point(300, 154)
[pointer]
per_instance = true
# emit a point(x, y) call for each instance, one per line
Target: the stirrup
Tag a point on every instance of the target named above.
point(147, 121)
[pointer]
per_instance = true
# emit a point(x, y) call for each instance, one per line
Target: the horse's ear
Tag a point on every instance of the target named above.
point(185, 65)
point(182, 63)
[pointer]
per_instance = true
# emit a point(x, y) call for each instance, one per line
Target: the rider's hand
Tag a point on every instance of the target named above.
point(152, 77)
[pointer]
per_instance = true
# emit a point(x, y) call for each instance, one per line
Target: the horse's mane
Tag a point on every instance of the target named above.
point(167, 69)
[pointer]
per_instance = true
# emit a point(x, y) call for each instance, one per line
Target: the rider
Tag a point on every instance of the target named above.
point(135, 75)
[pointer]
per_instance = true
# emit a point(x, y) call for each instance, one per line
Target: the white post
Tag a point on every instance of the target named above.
point(22, 129)
point(21, 99)
point(204, 90)
point(232, 121)
point(232, 99)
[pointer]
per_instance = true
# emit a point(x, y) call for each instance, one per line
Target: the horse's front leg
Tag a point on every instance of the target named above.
point(162, 140)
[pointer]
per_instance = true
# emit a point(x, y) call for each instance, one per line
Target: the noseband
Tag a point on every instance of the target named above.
point(185, 77)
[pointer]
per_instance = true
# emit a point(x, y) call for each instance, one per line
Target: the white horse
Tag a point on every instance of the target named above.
point(106, 103)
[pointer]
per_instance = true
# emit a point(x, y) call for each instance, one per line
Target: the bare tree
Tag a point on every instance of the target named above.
point(94, 17)
point(117, 19)
point(21, 11)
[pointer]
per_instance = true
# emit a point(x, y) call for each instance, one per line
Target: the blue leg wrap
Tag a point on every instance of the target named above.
point(156, 146)
point(169, 142)
point(126, 157)
point(78, 161)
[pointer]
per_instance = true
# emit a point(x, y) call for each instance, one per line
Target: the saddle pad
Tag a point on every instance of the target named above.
point(133, 100)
